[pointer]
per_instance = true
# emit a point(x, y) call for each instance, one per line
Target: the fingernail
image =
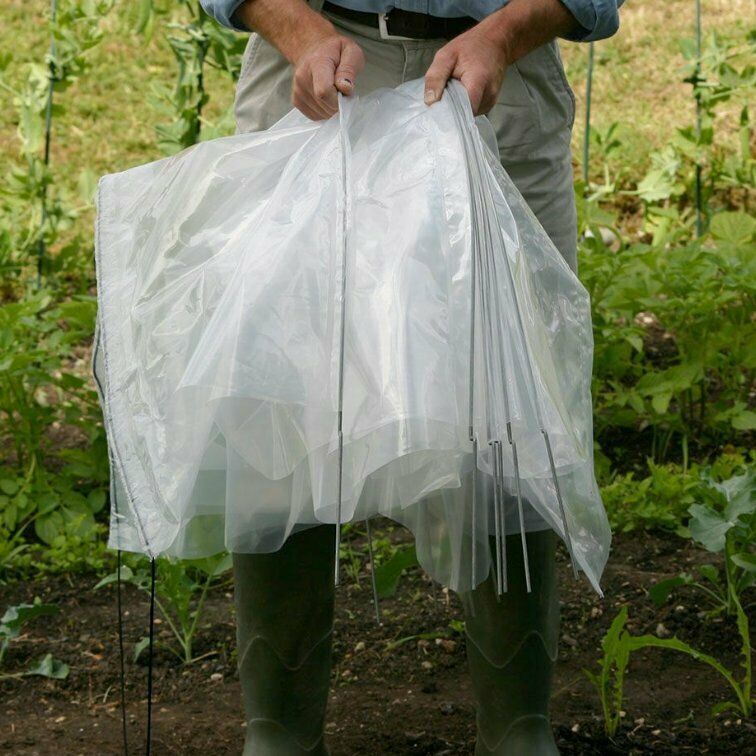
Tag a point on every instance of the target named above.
point(430, 97)
point(348, 82)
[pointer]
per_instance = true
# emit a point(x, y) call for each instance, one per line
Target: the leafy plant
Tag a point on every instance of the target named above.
point(729, 530)
point(181, 589)
point(455, 627)
point(661, 499)
point(11, 625)
point(618, 646)
point(609, 682)
point(674, 355)
point(695, 163)
point(197, 41)
point(34, 209)
point(44, 488)
point(387, 575)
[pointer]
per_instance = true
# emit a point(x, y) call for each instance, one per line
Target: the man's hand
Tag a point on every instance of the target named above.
point(331, 64)
point(479, 57)
point(324, 61)
point(477, 61)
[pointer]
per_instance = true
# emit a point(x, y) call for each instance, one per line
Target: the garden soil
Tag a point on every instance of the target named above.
point(394, 693)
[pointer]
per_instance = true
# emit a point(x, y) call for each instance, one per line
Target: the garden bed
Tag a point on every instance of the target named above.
point(413, 699)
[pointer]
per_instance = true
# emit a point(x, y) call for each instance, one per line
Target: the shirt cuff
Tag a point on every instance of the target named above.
point(599, 19)
point(223, 11)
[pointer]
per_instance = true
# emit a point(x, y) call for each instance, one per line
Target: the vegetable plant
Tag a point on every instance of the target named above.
point(181, 589)
point(11, 626)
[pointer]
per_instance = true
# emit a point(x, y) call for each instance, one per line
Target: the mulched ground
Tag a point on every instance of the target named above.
point(413, 699)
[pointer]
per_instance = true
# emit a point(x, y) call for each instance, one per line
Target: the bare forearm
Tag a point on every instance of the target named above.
point(522, 25)
point(289, 25)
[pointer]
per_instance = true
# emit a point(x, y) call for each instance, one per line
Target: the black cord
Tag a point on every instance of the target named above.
point(148, 747)
point(121, 654)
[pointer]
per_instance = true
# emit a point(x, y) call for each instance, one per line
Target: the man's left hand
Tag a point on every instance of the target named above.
point(479, 57)
point(477, 61)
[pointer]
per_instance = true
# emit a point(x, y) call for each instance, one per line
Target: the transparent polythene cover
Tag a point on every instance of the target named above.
point(342, 307)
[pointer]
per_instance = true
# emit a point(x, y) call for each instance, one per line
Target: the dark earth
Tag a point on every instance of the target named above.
point(410, 698)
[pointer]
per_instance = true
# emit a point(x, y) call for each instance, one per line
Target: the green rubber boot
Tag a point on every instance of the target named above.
point(284, 614)
point(511, 649)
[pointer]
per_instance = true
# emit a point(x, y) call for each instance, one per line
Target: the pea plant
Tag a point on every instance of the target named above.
point(696, 162)
point(35, 209)
point(197, 43)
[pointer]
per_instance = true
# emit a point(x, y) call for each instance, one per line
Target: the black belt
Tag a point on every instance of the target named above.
point(402, 23)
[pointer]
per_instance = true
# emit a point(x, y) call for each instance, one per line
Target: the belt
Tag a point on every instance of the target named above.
point(402, 24)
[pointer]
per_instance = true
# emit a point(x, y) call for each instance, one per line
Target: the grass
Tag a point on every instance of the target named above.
point(108, 123)
point(637, 78)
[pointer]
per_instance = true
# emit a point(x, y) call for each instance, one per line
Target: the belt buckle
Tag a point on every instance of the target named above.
point(384, 32)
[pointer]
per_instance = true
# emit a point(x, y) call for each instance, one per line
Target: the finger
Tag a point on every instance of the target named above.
point(438, 74)
point(475, 91)
point(303, 100)
point(351, 63)
point(302, 96)
point(323, 84)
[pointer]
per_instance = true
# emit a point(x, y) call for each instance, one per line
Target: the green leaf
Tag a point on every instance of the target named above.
point(388, 574)
point(127, 575)
point(140, 646)
point(708, 527)
point(8, 486)
point(733, 227)
point(744, 421)
point(710, 572)
point(17, 616)
point(660, 403)
point(659, 593)
point(745, 560)
point(50, 668)
point(48, 527)
point(96, 500)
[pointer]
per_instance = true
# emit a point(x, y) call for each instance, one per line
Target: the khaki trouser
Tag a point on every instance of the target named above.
point(532, 119)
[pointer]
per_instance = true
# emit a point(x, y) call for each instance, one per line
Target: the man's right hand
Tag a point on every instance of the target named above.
point(324, 61)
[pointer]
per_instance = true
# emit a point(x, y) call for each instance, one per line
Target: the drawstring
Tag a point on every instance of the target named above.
point(148, 743)
point(121, 653)
point(148, 746)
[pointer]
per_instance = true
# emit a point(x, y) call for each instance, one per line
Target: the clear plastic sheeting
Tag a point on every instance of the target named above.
point(328, 321)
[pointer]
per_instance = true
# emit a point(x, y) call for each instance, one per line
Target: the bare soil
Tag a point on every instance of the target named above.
point(412, 699)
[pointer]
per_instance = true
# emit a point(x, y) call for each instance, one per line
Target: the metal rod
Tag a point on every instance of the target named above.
point(150, 660)
point(342, 339)
point(121, 650)
point(697, 97)
point(567, 538)
point(372, 572)
point(518, 491)
point(473, 518)
point(497, 515)
point(531, 376)
point(502, 518)
point(48, 139)
point(587, 131)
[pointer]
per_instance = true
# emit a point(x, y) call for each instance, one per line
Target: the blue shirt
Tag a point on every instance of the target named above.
point(598, 18)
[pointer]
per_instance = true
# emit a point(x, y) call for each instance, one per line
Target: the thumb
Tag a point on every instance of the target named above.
point(352, 61)
point(437, 76)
